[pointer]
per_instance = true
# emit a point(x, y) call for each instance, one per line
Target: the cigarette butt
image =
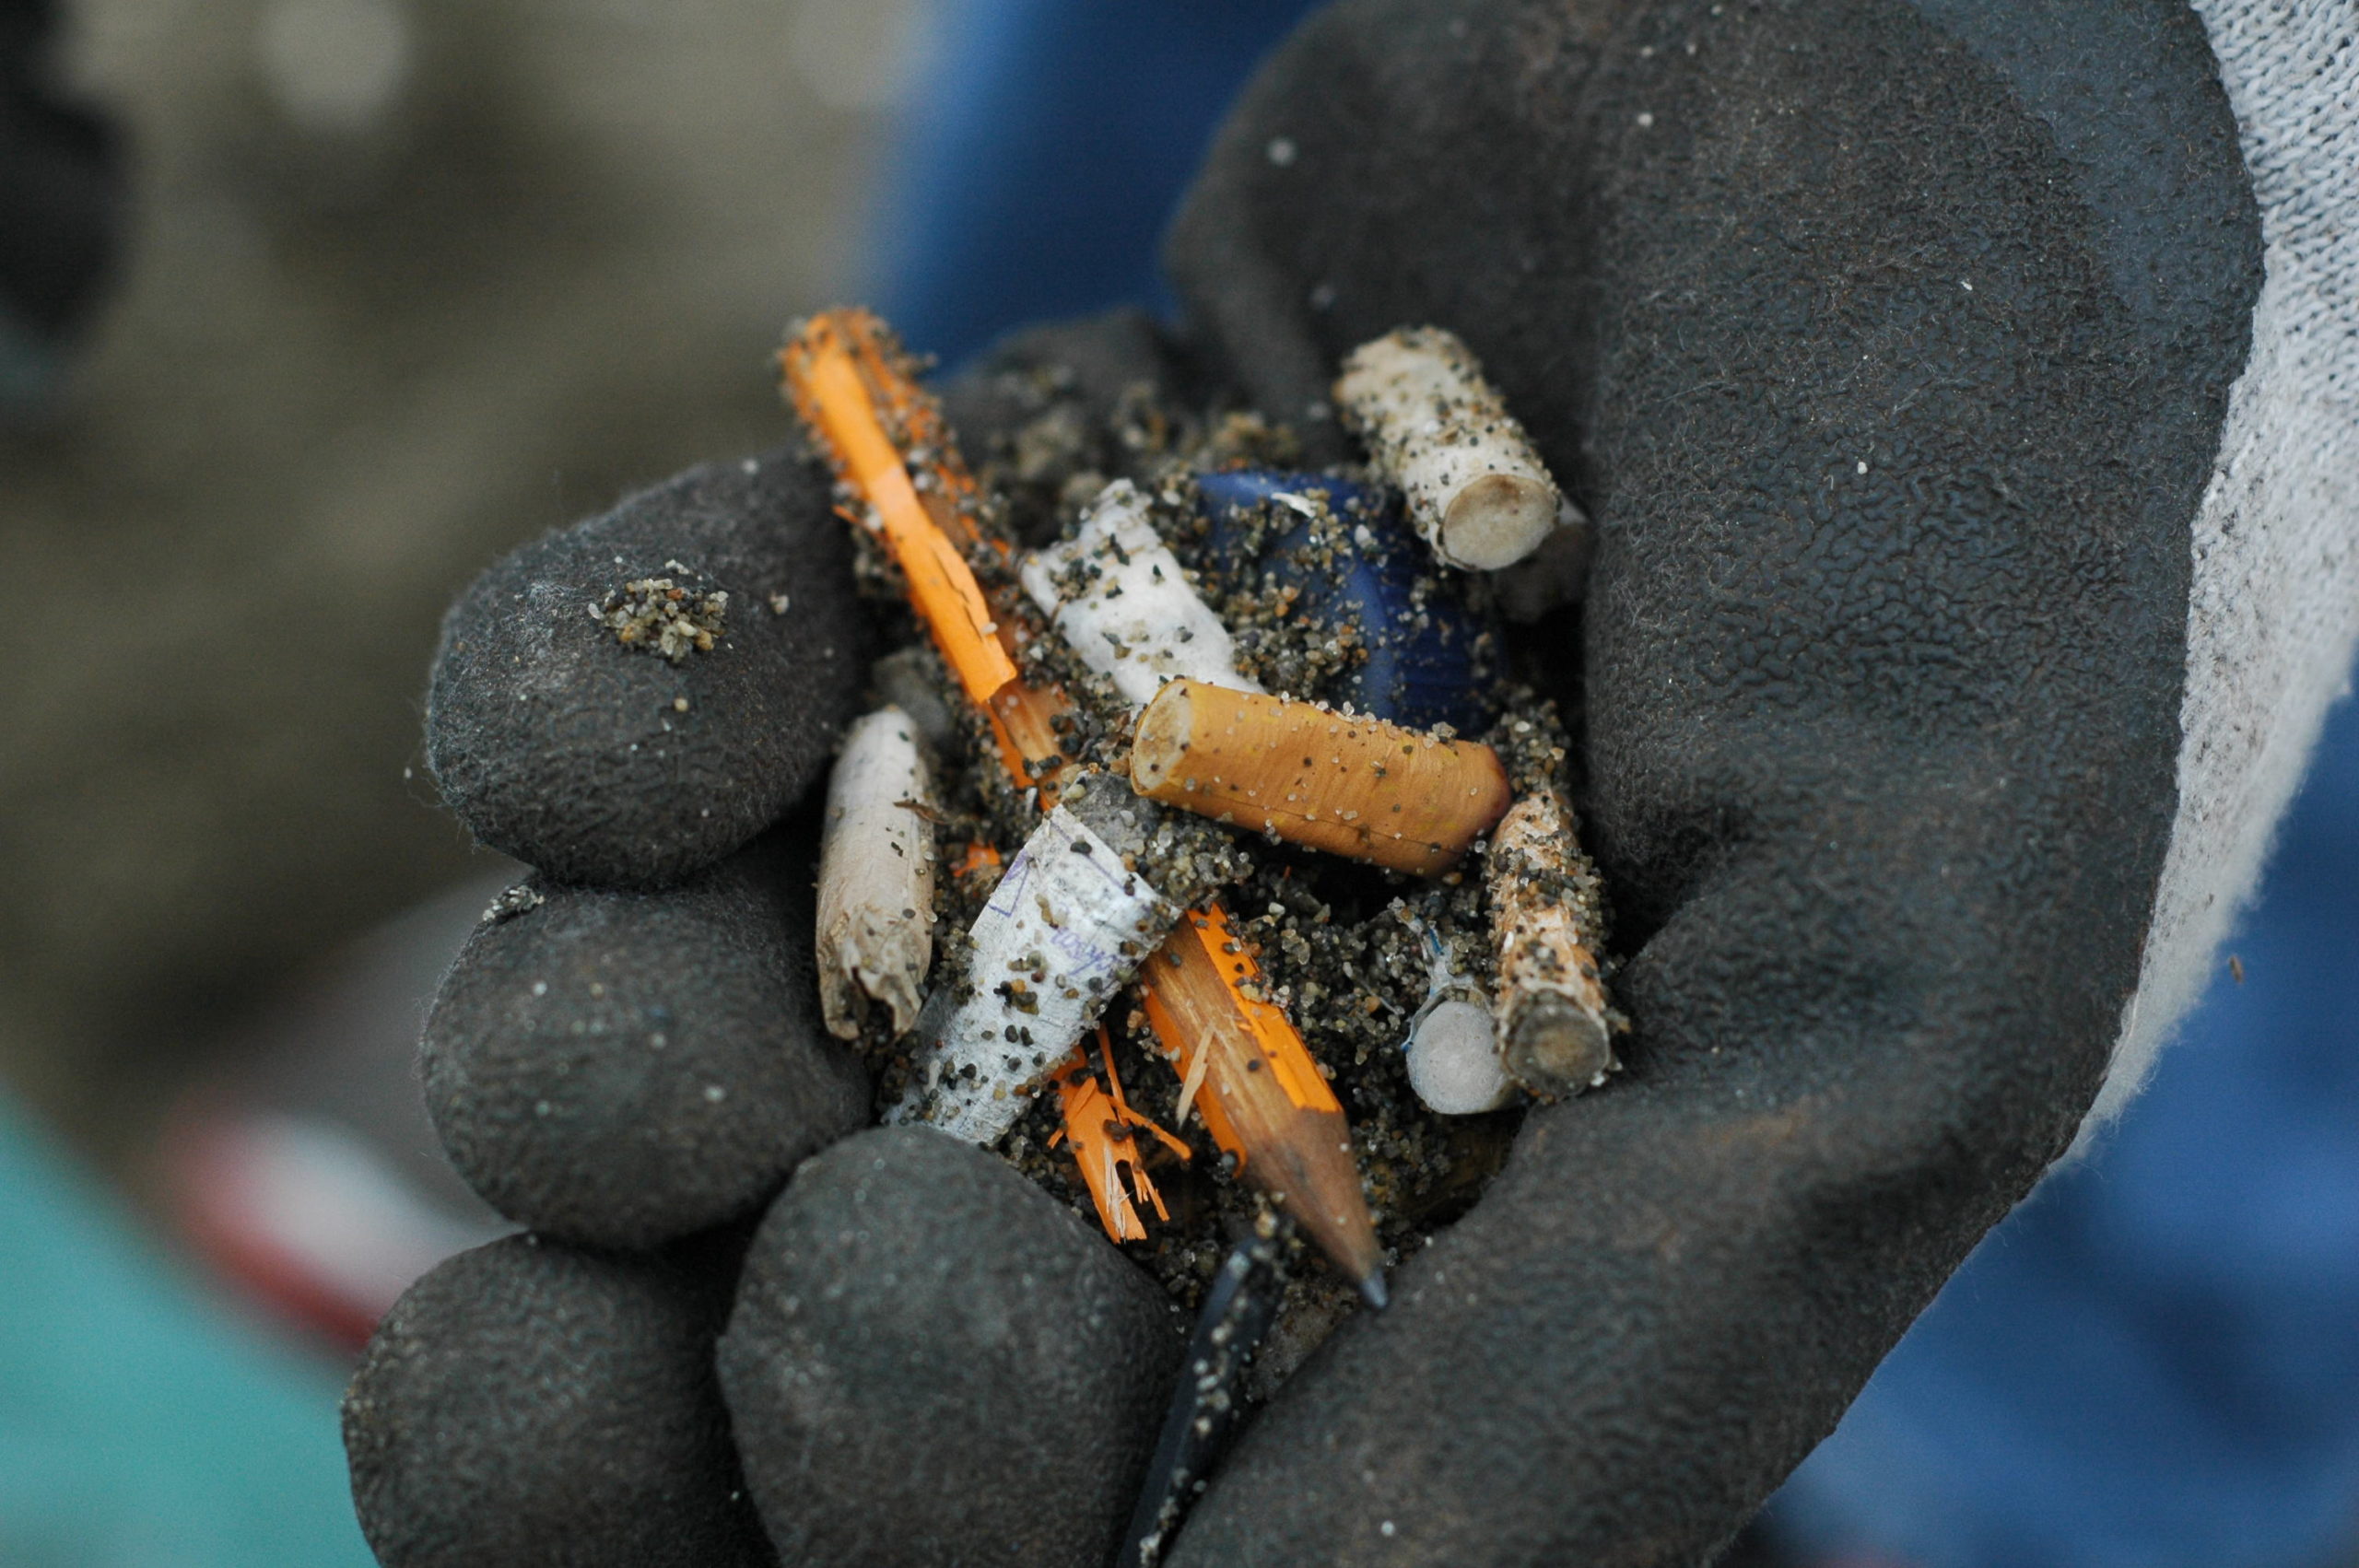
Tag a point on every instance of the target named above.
point(1453, 1047)
point(876, 929)
point(1555, 1028)
point(1350, 785)
point(846, 381)
point(1265, 1101)
point(1454, 1061)
point(1062, 931)
point(1477, 491)
point(1121, 602)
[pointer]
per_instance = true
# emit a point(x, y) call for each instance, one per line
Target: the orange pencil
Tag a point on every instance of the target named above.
point(1264, 1100)
point(843, 380)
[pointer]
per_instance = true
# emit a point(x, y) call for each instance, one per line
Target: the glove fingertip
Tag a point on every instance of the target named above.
point(529, 1404)
point(625, 1069)
point(931, 1362)
point(627, 700)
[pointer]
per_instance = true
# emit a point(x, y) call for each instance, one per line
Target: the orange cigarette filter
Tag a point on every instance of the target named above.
point(853, 387)
point(1265, 1102)
point(1352, 786)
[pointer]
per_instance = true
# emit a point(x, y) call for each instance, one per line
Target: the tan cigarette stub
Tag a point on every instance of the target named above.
point(876, 904)
point(1349, 785)
point(1554, 1032)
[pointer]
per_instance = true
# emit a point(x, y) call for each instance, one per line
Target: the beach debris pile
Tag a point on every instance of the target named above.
point(1209, 861)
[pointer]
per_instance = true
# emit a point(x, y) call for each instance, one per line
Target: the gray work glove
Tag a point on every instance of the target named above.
point(1891, 348)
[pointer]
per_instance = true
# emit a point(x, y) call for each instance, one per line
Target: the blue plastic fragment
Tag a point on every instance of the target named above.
point(1424, 652)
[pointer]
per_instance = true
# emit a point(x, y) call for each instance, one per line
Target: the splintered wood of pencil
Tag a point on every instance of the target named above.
point(1265, 1101)
point(1477, 491)
point(1349, 785)
point(876, 876)
point(844, 378)
point(1554, 1019)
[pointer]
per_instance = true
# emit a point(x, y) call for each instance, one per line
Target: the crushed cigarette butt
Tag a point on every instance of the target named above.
point(1553, 1020)
point(875, 921)
point(1123, 603)
point(1063, 930)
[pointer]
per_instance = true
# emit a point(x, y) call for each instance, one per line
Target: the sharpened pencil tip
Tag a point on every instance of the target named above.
point(1372, 1289)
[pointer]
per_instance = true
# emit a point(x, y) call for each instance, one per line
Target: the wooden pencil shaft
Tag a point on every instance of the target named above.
point(1265, 1101)
point(942, 586)
point(1349, 785)
point(843, 382)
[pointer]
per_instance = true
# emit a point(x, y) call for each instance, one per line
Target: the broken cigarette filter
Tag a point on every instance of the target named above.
point(1453, 1049)
point(1121, 600)
point(1262, 1099)
point(1066, 928)
point(1352, 786)
point(1554, 1019)
point(876, 876)
point(1477, 492)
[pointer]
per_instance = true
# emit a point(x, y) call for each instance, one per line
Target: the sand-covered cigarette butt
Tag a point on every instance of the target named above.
point(1554, 1019)
point(876, 876)
point(1477, 491)
point(1349, 785)
point(1119, 597)
point(1065, 930)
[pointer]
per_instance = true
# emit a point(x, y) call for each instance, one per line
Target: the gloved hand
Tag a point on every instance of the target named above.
point(1890, 347)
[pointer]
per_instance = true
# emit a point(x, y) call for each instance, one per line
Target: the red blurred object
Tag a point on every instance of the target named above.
point(309, 1178)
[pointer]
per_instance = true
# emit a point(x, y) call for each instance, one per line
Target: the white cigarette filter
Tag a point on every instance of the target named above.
point(1454, 1061)
point(876, 876)
point(1440, 433)
point(1065, 928)
point(1453, 1049)
point(1119, 599)
point(1553, 1020)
